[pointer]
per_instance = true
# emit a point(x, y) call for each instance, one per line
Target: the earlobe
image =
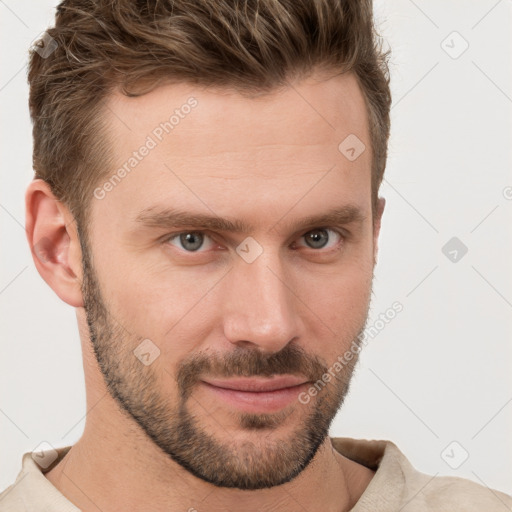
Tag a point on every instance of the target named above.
point(54, 243)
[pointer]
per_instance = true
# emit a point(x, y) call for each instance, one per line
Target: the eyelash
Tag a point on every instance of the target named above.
point(342, 236)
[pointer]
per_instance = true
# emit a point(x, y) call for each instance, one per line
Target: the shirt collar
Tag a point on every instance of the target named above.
point(384, 492)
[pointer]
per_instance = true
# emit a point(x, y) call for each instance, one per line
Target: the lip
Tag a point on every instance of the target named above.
point(257, 384)
point(257, 395)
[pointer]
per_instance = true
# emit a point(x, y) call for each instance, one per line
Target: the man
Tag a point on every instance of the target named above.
point(206, 197)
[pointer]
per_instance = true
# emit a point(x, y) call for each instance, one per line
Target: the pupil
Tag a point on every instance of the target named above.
point(191, 241)
point(317, 238)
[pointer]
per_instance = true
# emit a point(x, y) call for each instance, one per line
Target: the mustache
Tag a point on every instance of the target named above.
point(243, 362)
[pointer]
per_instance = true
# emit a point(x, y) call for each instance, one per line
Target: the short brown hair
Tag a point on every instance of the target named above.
point(98, 46)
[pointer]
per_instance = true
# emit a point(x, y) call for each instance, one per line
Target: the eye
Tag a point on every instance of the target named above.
point(321, 238)
point(190, 241)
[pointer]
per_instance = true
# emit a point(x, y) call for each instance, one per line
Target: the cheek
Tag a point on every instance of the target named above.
point(153, 300)
point(337, 304)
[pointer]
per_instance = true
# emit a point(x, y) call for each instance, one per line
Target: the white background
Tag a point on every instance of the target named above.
point(440, 371)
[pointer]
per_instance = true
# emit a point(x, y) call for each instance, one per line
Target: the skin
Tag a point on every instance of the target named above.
point(267, 161)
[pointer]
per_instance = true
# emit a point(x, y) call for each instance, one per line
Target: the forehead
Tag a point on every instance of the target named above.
point(319, 108)
point(185, 143)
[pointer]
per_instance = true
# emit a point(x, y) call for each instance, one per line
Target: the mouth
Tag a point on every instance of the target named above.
point(257, 395)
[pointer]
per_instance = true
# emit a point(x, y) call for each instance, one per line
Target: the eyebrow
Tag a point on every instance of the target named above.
point(171, 218)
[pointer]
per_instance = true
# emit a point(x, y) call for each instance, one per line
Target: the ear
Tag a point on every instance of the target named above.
point(53, 239)
point(381, 203)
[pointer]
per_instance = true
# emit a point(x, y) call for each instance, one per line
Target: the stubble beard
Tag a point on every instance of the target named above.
point(262, 459)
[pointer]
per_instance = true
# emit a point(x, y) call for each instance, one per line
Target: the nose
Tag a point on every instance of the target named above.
point(259, 306)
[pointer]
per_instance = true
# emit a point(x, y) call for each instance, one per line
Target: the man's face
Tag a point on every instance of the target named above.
point(208, 329)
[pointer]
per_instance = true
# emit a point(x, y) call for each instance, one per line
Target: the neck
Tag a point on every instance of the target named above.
point(116, 467)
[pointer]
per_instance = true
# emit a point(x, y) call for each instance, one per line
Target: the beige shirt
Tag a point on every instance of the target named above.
point(396, 485)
